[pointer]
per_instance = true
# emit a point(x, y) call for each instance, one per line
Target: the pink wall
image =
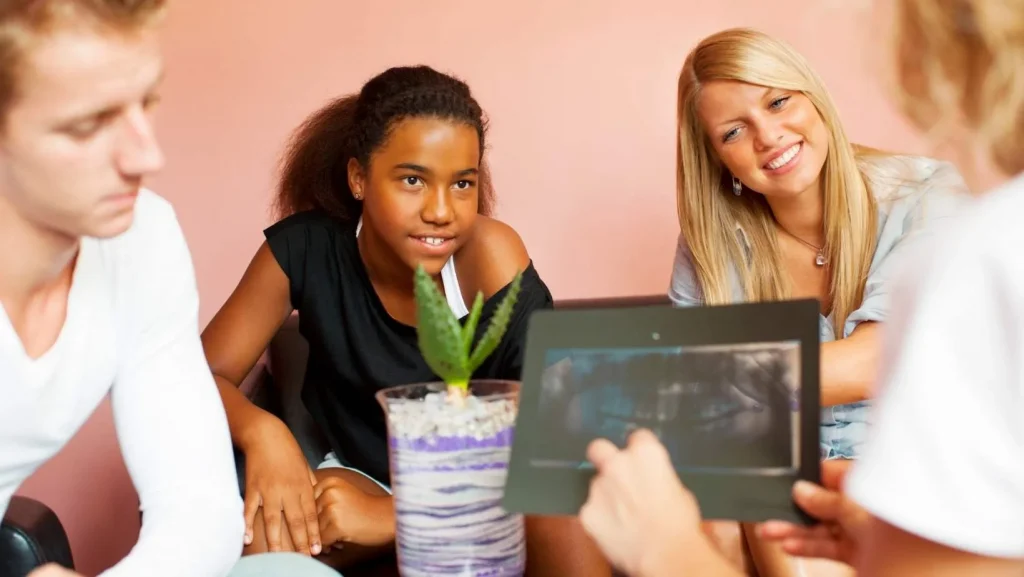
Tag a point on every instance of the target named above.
point(581, 96)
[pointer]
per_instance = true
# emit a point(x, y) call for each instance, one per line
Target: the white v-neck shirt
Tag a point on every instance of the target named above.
point(132, 331)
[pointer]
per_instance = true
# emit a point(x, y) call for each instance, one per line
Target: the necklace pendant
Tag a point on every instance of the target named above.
point(820, 259)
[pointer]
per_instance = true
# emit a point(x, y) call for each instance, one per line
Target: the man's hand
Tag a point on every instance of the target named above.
point(53, 570)
point(641, 515)
point(843, 522)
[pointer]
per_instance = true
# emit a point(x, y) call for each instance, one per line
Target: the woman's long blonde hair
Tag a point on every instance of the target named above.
point(961, 62)
point(709, 212)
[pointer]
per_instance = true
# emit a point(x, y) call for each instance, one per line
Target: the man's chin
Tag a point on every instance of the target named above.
point(111, 227)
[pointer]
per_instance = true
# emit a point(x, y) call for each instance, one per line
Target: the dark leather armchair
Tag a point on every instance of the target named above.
point(31, 535)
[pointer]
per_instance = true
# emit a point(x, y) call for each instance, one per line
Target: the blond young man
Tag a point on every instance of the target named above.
point(97, 290)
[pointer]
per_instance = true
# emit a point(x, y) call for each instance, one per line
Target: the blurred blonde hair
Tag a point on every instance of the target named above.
point(24, 21)
point(709, 211)
point(961, 62)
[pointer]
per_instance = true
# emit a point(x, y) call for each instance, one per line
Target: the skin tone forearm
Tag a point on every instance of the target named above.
point(849, 366)
point(696, 558)
point(238, 335)
point(244, 418)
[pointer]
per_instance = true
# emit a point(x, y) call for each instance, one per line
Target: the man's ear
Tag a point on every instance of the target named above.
point(356, 179)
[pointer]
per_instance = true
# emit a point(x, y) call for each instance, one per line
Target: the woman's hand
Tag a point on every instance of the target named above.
point(279, 482)
point(842, 520)
point(350, 515)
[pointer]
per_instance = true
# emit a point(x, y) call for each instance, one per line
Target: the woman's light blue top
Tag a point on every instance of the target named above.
point(914, 195)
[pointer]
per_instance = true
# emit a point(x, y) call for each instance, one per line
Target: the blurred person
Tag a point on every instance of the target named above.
point(97, 290)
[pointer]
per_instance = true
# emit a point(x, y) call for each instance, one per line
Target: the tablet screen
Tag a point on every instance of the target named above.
point(717, 408)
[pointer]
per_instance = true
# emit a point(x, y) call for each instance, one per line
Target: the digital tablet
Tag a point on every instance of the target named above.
point(732, 391)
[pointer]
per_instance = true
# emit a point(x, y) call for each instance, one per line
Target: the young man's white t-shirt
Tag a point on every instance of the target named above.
point(132, 331)
point(945, 458)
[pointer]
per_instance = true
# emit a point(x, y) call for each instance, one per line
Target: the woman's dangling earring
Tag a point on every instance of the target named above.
point(737, 186)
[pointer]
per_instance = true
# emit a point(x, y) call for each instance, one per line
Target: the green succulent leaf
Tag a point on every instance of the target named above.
point(439, 334)
point(469, 329)
point(499, 324)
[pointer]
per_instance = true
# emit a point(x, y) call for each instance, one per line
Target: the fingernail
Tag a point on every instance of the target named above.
point(248, 538)
point(315, 548)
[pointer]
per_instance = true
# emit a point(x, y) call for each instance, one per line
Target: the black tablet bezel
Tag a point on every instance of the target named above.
point(549, 491)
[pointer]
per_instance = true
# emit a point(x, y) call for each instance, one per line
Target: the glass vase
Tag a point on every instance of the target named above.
point(449, 461)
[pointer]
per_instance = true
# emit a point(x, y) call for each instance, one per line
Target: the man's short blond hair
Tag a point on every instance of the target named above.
point(962, 61)
point(24, 21)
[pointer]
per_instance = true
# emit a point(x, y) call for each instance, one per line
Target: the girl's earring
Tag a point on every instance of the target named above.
point(737, 186)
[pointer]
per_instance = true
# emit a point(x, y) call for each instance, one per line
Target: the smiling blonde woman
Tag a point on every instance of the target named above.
point(775, 202)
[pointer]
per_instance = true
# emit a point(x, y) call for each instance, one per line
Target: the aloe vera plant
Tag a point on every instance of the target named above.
point(446, 345)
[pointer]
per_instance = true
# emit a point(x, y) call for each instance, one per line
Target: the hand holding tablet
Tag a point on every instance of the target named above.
point(730, 391)
point(637, 509)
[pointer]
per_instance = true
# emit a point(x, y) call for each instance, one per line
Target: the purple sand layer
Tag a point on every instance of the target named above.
point(509, 570)
point(436, 444)
point(454, 468)
point(498, 569)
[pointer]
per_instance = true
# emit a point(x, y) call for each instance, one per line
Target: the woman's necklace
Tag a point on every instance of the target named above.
point(819, 257)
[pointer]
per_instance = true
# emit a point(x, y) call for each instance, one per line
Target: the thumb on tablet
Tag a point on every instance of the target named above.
point(600, 451)
point(642, 437)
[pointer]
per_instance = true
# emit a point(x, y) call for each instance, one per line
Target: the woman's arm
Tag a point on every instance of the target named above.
point(931, 194)
point(278, 480)
point(849, 366)
point(239, 334)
